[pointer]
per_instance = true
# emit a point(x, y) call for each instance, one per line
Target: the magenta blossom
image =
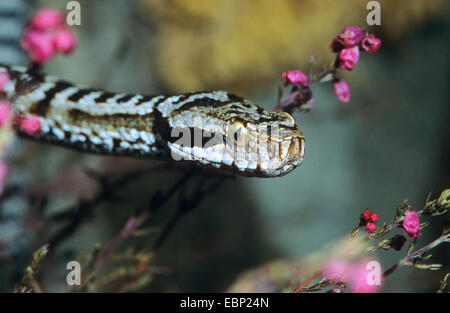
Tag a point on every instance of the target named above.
point(295, 77)
point(39, 45)
point(342, 91)
point(30, 125)
point(347, 38)
point(64, 40)
point(46, 36)
point(349, 57)
point(371, 43)
point(411, 224)
point(4, 78)
point(46, 19)
point(371, 227)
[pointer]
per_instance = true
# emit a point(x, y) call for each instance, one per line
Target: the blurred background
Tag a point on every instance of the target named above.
point(389, 143)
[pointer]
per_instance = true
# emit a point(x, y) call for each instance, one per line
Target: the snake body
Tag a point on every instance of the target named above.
point(216, 129)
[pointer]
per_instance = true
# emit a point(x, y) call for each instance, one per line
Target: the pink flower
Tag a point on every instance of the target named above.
point(295, 77)
point(64, 40)
point(374, 217)
point(3, 175)
point(365, 278)
point(351, 36)
point(371, 227)
point(349, 57)
point(46, 19)
point(411, 224)
point(371, 43)
point(337, 270)
point(5, 113)
point(342, 91)
point(39, 45)
point(366, 214)
point(30, 125)
point(4, 78)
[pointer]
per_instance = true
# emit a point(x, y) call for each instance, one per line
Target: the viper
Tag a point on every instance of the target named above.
point(212, 129)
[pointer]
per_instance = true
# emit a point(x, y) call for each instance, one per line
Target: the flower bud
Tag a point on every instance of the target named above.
point(295, 77)
point(371, 227)
point(46, 19)
point(444, 199)
point(342, 91)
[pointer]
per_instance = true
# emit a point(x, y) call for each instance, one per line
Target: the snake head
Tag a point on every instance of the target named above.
point(231, 133)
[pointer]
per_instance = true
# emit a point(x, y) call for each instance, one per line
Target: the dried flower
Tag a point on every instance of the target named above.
point(371, 44)
point(342, 91)
point(4, 78)
point(371, 227)
point(295, 77)
point(30, 125)
point(411, 224)
point(46, 19)
point(349, 57)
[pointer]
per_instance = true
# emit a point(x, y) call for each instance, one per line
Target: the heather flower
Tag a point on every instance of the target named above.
point(371, 227)
point(349, 57)
point(39, 45)
point(64, 40)
point(5, 113)
point(30, 125)
point(411, 224)
point(47, 19)
point(4, 78)
point(347, 38)
point(342, 91)
point(366, 214)
point(295, 77)
point(374, 217)
point(371, 43)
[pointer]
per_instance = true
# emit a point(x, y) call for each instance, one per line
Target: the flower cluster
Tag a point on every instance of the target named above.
point(356, 274)
point(46, 35)
point(347, 45)
point(369, 219)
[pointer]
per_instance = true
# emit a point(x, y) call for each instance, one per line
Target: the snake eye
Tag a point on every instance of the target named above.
point(238, 134)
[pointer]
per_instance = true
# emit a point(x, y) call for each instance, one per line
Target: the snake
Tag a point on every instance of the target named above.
point(214, 129)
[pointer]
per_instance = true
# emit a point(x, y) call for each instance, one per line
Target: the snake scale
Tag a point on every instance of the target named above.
point(213, 129)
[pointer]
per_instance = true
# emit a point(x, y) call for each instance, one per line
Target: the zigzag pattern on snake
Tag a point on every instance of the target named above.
point(216, 129)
